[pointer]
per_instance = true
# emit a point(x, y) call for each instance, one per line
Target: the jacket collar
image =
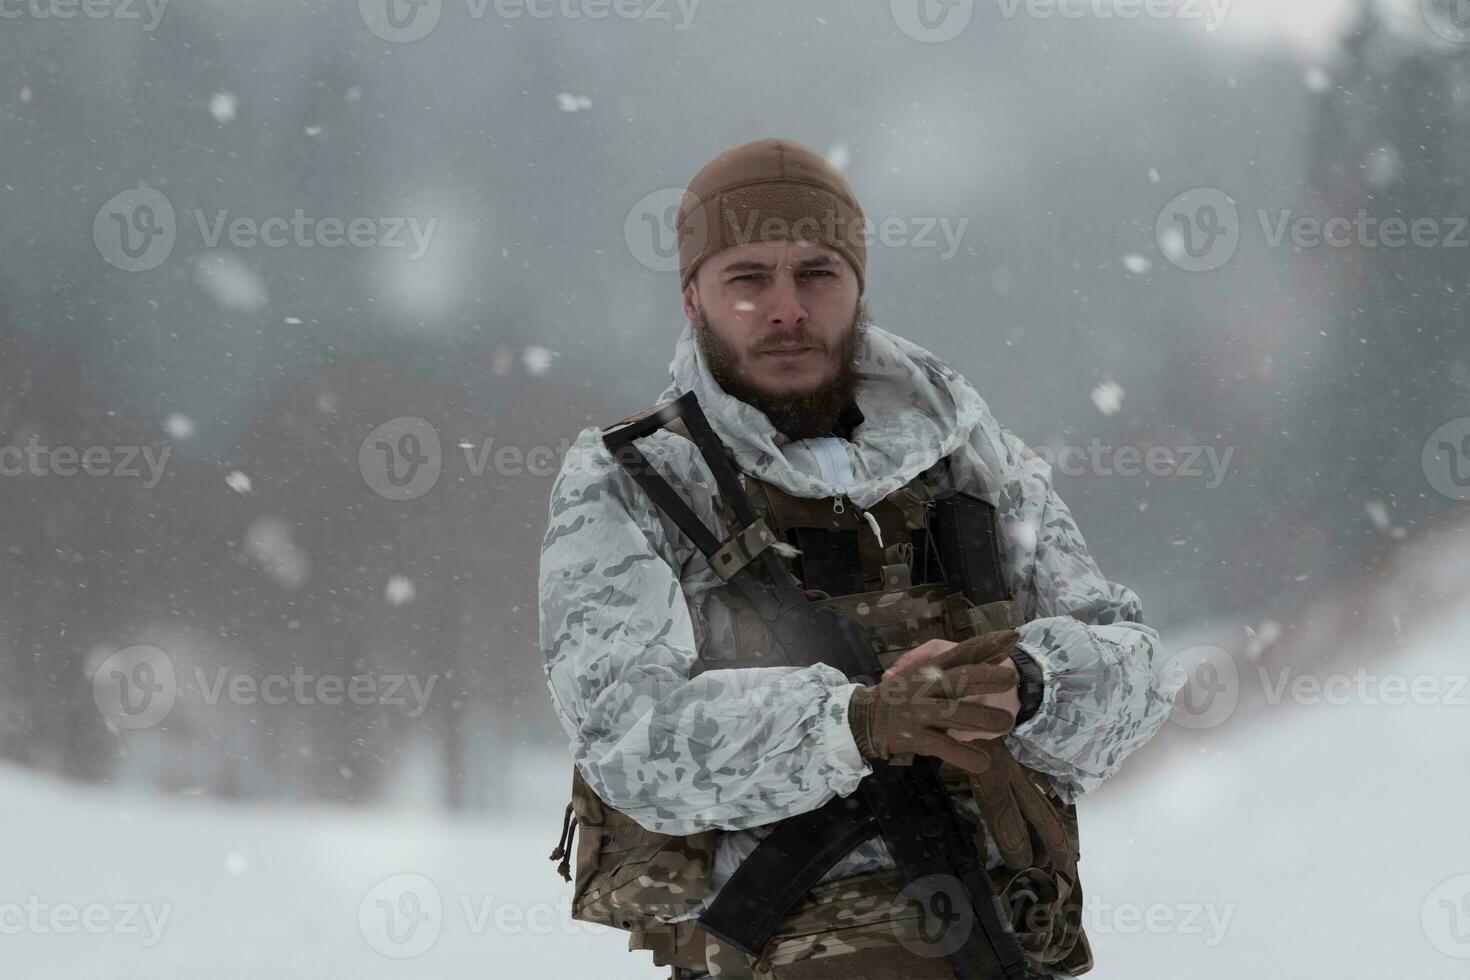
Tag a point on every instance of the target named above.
point(914, 411)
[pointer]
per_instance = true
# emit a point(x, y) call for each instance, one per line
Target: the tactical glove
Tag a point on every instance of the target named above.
point(910, 710)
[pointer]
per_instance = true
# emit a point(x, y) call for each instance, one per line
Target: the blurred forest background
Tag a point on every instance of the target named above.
point(268, 545)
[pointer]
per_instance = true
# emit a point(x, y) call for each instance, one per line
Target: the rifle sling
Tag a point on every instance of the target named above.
point(796, 855)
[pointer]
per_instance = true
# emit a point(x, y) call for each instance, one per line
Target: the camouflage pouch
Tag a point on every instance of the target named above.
point(866, 912)
point(627, 876)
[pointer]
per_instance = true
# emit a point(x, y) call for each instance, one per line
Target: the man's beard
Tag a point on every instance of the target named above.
point(797, 414)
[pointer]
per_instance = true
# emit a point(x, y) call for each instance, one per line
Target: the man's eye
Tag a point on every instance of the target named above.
point(817, 272)
point(749, 275)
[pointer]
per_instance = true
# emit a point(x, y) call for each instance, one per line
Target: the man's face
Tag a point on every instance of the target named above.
point(781, 328)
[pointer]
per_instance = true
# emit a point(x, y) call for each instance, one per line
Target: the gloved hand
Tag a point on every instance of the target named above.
point(919, 702)
point(1010, 803)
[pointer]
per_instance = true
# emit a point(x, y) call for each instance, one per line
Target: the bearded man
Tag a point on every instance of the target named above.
point(887, 489)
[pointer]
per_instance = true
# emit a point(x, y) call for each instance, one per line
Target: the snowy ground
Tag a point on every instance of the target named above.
point(1315, 841)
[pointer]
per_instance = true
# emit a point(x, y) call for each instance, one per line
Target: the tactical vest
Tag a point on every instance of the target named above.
point(889, 580)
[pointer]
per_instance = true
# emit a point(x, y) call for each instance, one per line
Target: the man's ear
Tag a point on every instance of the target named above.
point(691, 303)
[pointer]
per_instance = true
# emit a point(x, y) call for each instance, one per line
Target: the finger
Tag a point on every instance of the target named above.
point(965, 735)
point(974, 716)
point(971, 679)
point(1040, 815)
point(1003, 816)
point(923, 653)
point(985, 648)
point(968, 757)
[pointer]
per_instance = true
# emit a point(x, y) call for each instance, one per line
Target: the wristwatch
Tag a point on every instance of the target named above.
point(1030, 687)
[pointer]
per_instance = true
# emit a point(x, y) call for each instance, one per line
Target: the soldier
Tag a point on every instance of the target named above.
point(883, 483)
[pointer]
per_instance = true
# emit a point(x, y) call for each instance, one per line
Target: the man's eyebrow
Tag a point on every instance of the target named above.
point(755, 265)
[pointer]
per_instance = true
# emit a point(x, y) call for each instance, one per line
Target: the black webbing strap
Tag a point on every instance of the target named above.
point(796, 854)
point(619, 442)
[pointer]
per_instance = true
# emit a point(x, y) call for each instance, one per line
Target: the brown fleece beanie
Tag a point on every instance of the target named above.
point(769, 190)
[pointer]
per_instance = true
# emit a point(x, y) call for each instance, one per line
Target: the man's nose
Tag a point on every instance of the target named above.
point(786, 308)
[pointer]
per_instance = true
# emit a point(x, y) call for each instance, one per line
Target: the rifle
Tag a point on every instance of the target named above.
point(906, 804)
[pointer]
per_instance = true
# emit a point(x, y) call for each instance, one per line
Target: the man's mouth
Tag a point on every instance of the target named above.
point(786, 351)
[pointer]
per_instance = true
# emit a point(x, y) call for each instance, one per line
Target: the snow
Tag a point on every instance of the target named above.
point(222, 106)
point(1313, 841)
point(1107, 397)
point(1331, 832)
point(567, 102)
point(1136, 264)
point(178, 426)
point(399, 590)
point(537, 360)
point(1319, 840)
point(231, 283)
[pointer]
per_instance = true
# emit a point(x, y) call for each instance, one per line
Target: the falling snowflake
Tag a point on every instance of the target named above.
point(178, 426)
point(222, 106)
point(236, 864)
point(537, 360)
point(567, 102)
point(1136, 263)
point(399, 590)
point(238, 482)
point(270, 544)
point(839, 156)
point(231, 283)
point(1316, 79)
point(1108, 397)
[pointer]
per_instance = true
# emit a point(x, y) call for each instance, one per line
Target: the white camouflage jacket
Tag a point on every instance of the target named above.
point(626, 602)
